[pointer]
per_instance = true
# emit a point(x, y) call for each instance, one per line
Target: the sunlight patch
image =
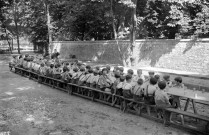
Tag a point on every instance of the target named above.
point(7, 99)
point(24, 88)
point(30, 118)
point(9, 93)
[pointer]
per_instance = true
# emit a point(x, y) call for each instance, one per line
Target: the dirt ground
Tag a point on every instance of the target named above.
point(29, 108)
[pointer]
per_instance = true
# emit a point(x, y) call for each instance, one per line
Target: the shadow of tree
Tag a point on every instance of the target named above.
point(153, 50)
point(189, 45)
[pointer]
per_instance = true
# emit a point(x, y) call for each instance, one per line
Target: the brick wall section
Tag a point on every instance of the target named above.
point(188, 55)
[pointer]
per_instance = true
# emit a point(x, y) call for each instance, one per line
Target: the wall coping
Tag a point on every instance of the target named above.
point(141, 40)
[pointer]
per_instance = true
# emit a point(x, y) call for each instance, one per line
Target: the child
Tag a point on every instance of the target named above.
point(149, 91)
point(89, 77)
point(57, 72)
point(116, 82)
point(127, 87)
point(119, 87)
point(95, 79)
point(137, 77)
point(50, 70)
point(130, 72)
point(162, 101)
point(104, 81)
point(65, 74)
point(42, 69)
point(74, 75)
point(138, 91)
point(166, 78)
point(178, 82)
point(157, 77)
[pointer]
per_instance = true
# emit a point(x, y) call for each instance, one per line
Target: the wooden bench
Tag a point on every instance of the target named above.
point(72, 89)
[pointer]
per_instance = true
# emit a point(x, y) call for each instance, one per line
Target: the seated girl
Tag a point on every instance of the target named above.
point(95, 79)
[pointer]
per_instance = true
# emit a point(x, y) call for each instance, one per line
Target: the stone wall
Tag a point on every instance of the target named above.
point(187, 55)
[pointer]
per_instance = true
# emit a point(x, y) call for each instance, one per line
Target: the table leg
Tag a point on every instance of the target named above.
point(194, 106)
point(187, 104)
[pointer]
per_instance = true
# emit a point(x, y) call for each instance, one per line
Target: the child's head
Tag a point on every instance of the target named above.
point(153, 81)
point(75, 69)
point(100, 72)
point(162, 85)
point(117, 75)
point(178, 80)
point(140, 81)
point(104, 71)
point(128, 78)
point(97, 68)
point(42, 64)
point(121, 69)
point(82, 69)
point(67, 64)
point(96, 72)
point(130, 72)
point(51, 65)
point(151, 73)
point(91, 70)
point(88, 67)
point(139, 72)
point(166, 78)
point(108, 68)
point(157, 77)
point(122, 78)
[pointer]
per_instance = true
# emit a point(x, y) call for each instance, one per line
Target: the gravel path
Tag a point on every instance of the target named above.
point(28, 108)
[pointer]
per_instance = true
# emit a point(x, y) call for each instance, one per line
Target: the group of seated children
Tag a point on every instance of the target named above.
point(151, 90)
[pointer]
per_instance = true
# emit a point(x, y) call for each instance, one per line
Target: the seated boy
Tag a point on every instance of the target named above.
point(166, 78)
point(116, 82)
point(137, 77)
point(130, 72)
point(162, 101)
point(65, 74)
point(42, 69)
point(57, 72)
point(74, 75)
point(50, 70)
point(178, 82)
point(95, 79)
point(157, 77)
point(89, 77)
point(137, 91)
point(149, 91)
point(127, 87)
point(119, 87)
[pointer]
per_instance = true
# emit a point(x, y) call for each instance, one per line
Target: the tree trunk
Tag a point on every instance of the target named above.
point(113, 20)
point(10, 49)
point(131, 57)
point(16, 27)
point(48, 46)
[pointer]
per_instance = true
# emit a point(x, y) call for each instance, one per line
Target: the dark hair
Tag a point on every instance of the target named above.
point(104, 69)
point(166, 77)
point(162, 85)
point(82, 69)
point(122, 78)
point(96, 72)
point(117, 75)
point(130, 71)
point(153, 81)
point(151, 73)
point(51, 65)
point(97, 68)
point(100, 72)
point(67, 64)
point(75, 69)
point(178, 79)
point(140, 81)
point(79, 64)
point(64, 69)
point(128, 77)
point(91, 70)
point(121, 69)
point(88, 67)
point(108, 67)
point(157, 77)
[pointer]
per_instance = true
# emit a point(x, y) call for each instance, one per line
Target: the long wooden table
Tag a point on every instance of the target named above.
point(190, 96)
